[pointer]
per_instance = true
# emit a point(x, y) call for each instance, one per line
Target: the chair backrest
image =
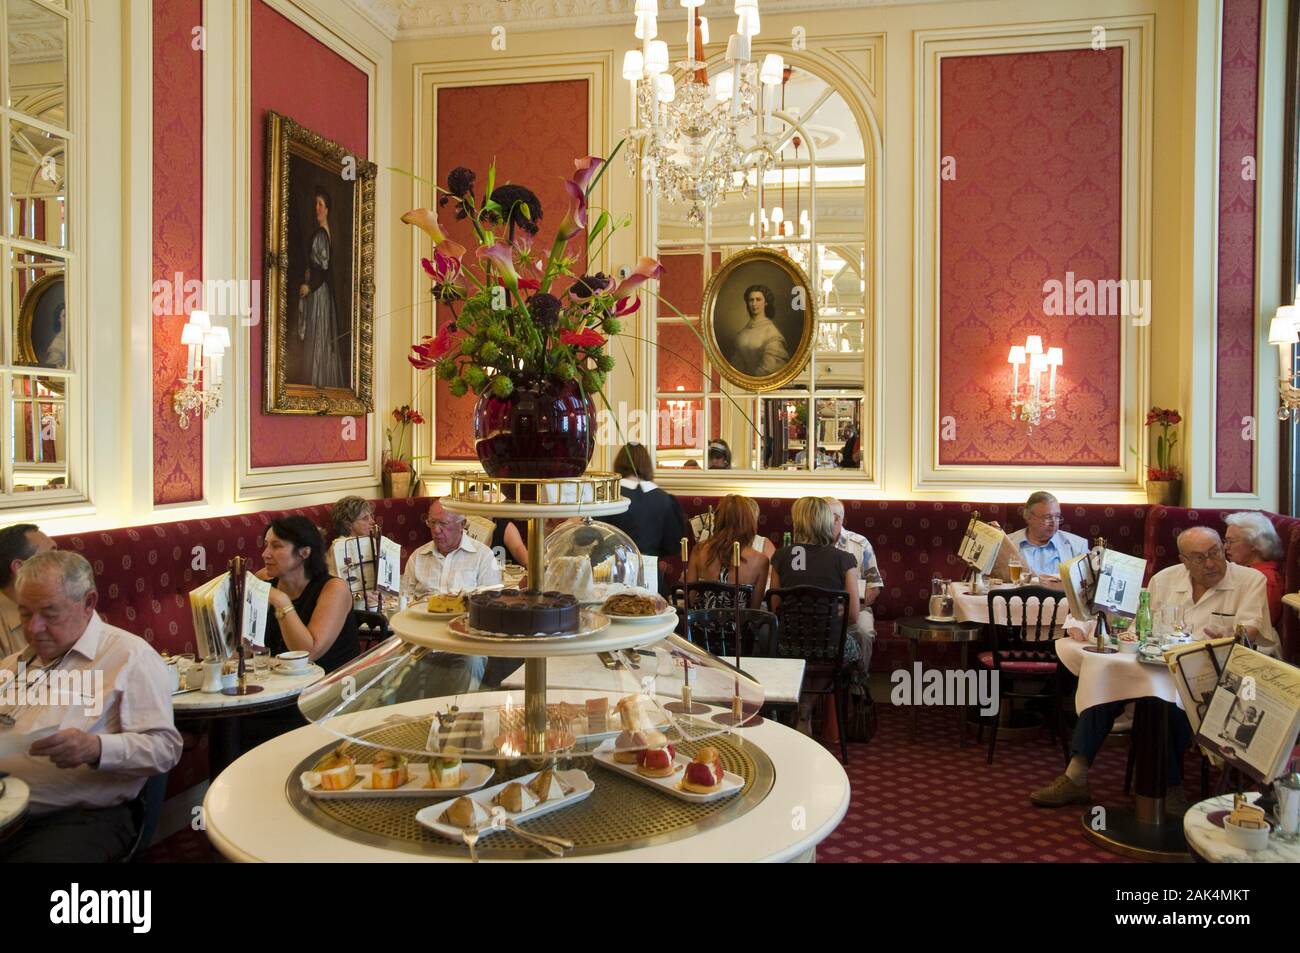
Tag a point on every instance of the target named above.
point(146, 809)
point(813, 622)
point(714, 630)
point(1023, 620)
point(372, 627)
point(711, 595)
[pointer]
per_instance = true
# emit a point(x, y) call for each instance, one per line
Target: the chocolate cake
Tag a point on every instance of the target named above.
point(523, 612)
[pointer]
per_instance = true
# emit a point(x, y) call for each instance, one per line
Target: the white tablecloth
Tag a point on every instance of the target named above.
point(1113, 678)
point(975, 608)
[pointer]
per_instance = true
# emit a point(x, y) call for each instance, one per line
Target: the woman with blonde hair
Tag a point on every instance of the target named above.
point(734, 521)
point(812, 559)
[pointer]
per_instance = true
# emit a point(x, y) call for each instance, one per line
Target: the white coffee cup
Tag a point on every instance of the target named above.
point(293, 661)
point(173, 675)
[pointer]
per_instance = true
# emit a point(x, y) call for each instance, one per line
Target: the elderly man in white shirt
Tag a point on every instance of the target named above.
point(1042, 545)
point(89, 709)
point(452, 562)
point(1214, 595)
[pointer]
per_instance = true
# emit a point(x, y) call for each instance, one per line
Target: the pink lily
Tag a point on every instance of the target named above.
point(645, 270)
point(425, 220)
point(575, 219)
point(444, 269)
point(625, 306)
point(584, 170)
point(500, 256)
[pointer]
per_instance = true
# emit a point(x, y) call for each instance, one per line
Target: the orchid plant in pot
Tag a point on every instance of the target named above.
point(1165, 479)
point(399, 467)
point(528, 334)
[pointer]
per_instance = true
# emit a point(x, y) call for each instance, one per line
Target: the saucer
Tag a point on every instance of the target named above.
point(282, 669)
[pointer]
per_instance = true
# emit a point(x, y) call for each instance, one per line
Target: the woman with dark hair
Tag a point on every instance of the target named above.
point(311, 610)
point(734, 521)
point(318, 317)
point(760, 349)
point(654, 519)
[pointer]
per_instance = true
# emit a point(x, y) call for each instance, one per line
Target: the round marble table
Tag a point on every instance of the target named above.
point(249, 818)
point(1209, 843)
point(917, 629)
point(222, 712)
point(13, 805)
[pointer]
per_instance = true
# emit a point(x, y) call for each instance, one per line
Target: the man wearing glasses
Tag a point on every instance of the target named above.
point(1042, 544)
point(1214, 595)
point(452, 562)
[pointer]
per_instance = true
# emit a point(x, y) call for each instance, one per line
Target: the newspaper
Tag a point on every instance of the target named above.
point(213, 621)
point(354, 557)
point(1196, 669)
point(1079, 579)
point(1119, 583)
point(1254, 714)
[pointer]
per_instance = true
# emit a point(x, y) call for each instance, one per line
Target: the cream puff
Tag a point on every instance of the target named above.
point(704, 774)
point(657, 762)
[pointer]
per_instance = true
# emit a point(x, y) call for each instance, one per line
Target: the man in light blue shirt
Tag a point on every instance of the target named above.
point(1042, 545)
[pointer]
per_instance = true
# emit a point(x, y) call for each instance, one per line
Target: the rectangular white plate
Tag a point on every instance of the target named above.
point(431, 816)
point(731, 783)
point(476, 775)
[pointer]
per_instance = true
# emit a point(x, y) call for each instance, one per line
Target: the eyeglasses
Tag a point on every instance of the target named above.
point(1201, 558)
point(1049, 518)
point(442, 524)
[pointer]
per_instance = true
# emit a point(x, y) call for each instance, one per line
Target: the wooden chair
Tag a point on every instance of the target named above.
point(813, 625)
point(372, 628)
point(1026, 648)
point(710, 595)
point(714, 630)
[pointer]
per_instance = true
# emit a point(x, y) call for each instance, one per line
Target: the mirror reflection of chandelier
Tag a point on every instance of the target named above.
point(687, 137)
point(1030, 401)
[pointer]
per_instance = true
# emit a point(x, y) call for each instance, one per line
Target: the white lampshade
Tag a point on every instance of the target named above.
point(1055, 356)
point(664, 88)
point(216, 341)
point(656, 58)
point(1017, 355)
point(192, 334)
point(788, 227)
point(646, 27)
point(692, 4)
point(1034, 344)
point(1037, 363)
point(751, 219)
point(723, 87)
point(647, 6)
point(773, 67)
point(1284, 327)
point(743, 5)
point(633, 65)
point(747, 23)
point(778, 214)
point(827, 284)
point(704, 29)
point(803, 218)
point(200, 319)
point(738, 48)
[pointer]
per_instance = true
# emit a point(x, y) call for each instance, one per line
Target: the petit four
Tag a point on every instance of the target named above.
point(597, 716)
point(337, 771)
point(704, 773)
point(446, 773)
point(632, 713)
point(628, 746)
point(388, 771)
point(464, 813)
point(515, 798)
point(547, 786)
point(657, 762)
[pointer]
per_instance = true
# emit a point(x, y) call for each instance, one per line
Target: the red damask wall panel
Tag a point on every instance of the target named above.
point(1235, 339)
point(297, 76)
point(177, 237)
point(1036, 139)
point(534, 131)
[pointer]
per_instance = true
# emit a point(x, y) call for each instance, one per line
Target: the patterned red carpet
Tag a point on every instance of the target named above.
point(931, 801)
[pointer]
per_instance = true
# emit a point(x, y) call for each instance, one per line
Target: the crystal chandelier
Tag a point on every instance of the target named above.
point(687, 137)
point(1030, 402)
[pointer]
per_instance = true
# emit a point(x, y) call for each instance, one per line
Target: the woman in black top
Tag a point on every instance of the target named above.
point(813, 560)
point(654, 519)
point(311, 610)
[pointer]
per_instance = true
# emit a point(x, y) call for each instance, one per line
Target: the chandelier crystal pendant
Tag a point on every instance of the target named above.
point(686, 136)
point(1031, 402)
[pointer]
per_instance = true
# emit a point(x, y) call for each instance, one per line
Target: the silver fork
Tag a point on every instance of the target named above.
point(470, 836)
point(557, 845)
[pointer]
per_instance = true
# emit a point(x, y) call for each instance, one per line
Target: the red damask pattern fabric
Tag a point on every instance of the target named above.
point(1037, 143)
point(1235, 335)
point(533, 131)
point(297, 76)
point(177, 238)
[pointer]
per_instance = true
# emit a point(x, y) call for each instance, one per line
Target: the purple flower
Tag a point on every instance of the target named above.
point(519, 206)
point(544, 310)
point(585, 168)
point(588, 285)
point(460, 183)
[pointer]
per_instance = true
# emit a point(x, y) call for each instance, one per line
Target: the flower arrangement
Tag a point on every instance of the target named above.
point(516, 311)
point(396, 459)
point(1165, 469)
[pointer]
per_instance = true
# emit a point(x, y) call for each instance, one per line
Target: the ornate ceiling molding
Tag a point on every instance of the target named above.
point(419, 19)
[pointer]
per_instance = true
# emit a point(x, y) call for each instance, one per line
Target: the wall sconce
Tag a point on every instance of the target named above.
point(1284, 331)
point(1029, 402)
point(200, 392)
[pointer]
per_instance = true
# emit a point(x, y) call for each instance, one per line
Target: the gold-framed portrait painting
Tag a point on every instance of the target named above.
point(759, 318)
point(320, 274)
point(42, 337)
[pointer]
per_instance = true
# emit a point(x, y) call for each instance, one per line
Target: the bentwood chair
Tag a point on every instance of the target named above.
point(711, 595)
point(813, 626)
point(1022, 635)
point(714, 630)
point(372, 628)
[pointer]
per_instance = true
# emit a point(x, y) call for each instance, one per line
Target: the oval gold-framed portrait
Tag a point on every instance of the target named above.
point(42, 333)
point(759, 318)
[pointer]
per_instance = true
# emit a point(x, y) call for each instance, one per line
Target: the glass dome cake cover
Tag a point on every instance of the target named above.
point(591, 560)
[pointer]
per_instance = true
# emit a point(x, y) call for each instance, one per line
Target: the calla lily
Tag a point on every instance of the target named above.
point(585, 168)
point(645, 270)
point(425, 220)
point(500, 256)
point(575, 219)
point(625, 306)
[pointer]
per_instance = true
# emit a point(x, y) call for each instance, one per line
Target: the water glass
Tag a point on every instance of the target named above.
point(261, 663)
